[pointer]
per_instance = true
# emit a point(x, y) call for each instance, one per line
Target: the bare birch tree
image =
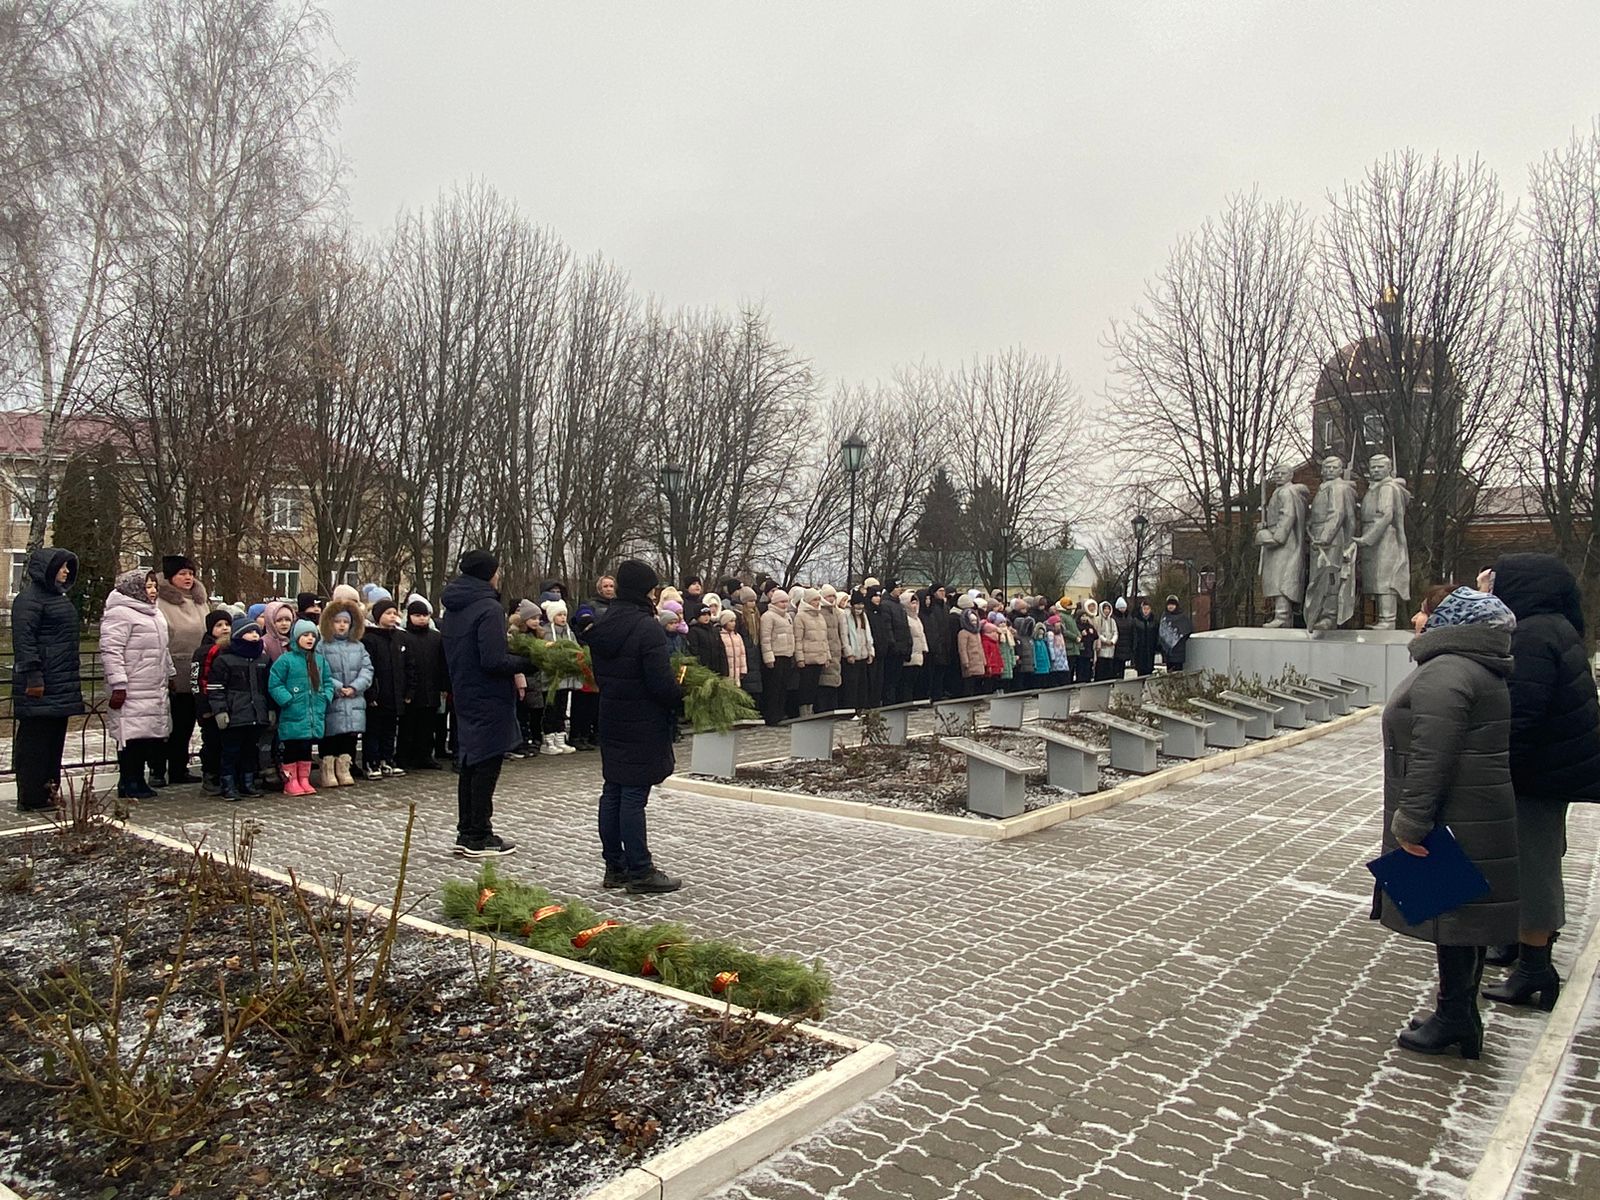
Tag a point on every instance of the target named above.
point(1207, 376)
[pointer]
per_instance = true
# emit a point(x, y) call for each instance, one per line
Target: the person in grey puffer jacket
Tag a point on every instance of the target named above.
point(1447, 761)
point(342, 627)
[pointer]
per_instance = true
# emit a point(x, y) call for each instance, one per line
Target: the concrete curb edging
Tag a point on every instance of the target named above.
point(706, 1160)
point(1497, 1171)
point(1010, 827)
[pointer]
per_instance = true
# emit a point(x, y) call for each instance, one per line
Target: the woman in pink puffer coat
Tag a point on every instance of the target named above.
point(135, 650)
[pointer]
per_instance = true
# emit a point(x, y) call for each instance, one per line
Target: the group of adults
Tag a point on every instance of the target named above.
point(1490, 740)
point(154, 621)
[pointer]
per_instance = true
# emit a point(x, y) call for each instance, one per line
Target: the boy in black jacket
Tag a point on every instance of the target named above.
point(386, 696)
point(236, 695)
point(213, 642)
point(425, 686)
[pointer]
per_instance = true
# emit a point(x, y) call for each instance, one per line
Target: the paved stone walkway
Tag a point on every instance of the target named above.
point(1181, 996)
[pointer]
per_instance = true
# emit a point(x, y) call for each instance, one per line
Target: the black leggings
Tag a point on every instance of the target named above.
point(297, 750)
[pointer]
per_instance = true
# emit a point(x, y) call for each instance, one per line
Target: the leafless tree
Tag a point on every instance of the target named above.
point(1416, 261)
point(1206, 377)
point(1560, 311)
point(1018, 446)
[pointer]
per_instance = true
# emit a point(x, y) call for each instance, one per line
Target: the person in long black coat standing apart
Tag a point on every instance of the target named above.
point(482, 683)
point(639, 696)
point(46, 688)
point(1555, 757)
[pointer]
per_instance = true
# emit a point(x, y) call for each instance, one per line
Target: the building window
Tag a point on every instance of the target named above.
point(285, 579)
point(350, 577)
point(285, 512)
point(19, 567)
point(1328, 432)
point(19, 506)
point(1373, 430)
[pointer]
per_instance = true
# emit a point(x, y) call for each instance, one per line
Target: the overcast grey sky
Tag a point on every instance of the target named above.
point(928, 180)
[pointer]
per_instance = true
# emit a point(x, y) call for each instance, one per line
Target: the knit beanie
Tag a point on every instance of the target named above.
point(307, 600)
point(728, 617)
point(171, 564)
point(255, 610)
point(527, 611)
point(636, 580)
point(381, 607)
point(346, 593)
point(301, 628)
point(219, 614)
point(828, 593)
point(1122, 605)
point(964, 601)
point(554, 609)
point(241, 623)
point(712, 601)
point(871, 581)
point(417, 603)
point(746, 595)
point(479, 564)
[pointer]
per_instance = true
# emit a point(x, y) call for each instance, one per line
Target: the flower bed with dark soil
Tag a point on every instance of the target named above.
point(922, 776)
point(462, 1074)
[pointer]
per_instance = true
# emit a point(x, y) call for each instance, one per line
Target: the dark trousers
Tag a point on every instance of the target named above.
point(335, 744)
point(475, 800)
point(36, 753)
point(955, 683)
point(135, 756)
point(210, 749)
point(910, 683)
point(827, 698)
point(417, 735)
point(855, 677)
point(775, 688)
point(893, 668)
point(809, 675)
point(555, 714)
point(934, 677)
point(297, 750)
point(985, 685)
point(181, 706)
point(1083, 669)
point(239, 753)
point(586, 718)
point(623, 841)
point(377, 744)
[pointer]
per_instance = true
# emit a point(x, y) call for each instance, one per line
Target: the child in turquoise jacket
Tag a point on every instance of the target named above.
point(301, 684)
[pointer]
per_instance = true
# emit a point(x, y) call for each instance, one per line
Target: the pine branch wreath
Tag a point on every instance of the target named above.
point(556, 661)
point(498, 904)
point(712, 702)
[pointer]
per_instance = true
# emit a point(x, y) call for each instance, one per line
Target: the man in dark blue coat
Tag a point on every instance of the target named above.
point(639, 696)
point(484, 691)
point(45, 688)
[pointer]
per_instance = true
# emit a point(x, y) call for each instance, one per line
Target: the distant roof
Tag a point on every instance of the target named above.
point(1517, 502)
point(22, 433)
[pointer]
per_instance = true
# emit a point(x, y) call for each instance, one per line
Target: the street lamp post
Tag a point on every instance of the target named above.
point(672, 484)
point(1140, 524)
point(853, 450)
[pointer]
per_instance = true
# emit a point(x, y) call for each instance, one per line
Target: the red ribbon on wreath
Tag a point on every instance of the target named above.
point(580, 940)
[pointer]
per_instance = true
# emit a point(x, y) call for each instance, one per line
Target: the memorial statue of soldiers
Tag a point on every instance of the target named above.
point(1333, 525)
point(1385, 557)
point(1282, 538)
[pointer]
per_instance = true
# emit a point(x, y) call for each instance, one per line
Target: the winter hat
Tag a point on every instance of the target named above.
point(779, 597)
point(672, 606)
point(131, 584)
point(964, 601)
point(241, 623)
point(301, 628)
point(870, 582)
point(636, 579)
point(171, 564)
point(553, 609)
point(828, 592)
point(1053, 620)
point(344, 594)
point(997, 618)
point(1122, 605)
point(383, 605)
point(479, 564)
point(417, 603)
point(712, 601)
point(728, 617)
point(307, 600)
point(1468, 606)
point(527, 611)
point(858, 597)
point(215, 615)
point(746, 595)
point(798, 594)
point(255, 610)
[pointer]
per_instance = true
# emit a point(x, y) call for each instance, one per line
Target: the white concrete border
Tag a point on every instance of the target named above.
point(1009, 827)
point(708, 1159)
point(1497, 1171)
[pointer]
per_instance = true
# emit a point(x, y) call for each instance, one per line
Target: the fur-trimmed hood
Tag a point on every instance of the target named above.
point(352, 608)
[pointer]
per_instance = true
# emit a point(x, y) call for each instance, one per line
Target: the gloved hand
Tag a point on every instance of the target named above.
point(222, 720)
point(119, 697)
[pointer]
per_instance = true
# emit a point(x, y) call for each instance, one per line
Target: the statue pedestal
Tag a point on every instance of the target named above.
point(1380, 657)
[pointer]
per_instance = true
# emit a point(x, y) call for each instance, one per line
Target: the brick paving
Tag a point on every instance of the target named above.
point(1181, 996)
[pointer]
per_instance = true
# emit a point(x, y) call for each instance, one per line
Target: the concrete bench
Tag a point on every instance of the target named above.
point(1227, 724)
point(1133, 747)
point(1182, 736)
point(1293, 715)
point(954, 715)
point(717, 754)
point(1130, 689)
point(1315, 700)
point(1092, 697)
point(1069, 763)
point(1338, 694)
point(996, 781)
point(812, 737)
point(1263, 716)
point(1361, 692)
point(1055, 704)
point(898, 717)
point(1006, 709)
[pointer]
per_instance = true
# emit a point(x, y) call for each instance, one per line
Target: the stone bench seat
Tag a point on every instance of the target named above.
point(1228, 729)
point(1263, 715)
point(812, 737)
point(1298, 708)
point(1055, 704)
point(1006, 708)
point(898, 717)
point(1133, 746)
point(996, 781)
point(1338, 694)
point(953, 713)
point(1069, 763)
point(1316, 701)
point(1182, 736)
point(717, 754)
point(1361, 695)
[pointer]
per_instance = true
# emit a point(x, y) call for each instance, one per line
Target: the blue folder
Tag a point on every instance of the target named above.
point(1424, 888)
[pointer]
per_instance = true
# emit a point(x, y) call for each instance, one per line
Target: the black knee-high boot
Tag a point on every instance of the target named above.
point(1456, 1020)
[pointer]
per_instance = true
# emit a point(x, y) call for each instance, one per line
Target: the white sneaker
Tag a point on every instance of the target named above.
point(392, 769)
point(562, 741)
point(550, 746)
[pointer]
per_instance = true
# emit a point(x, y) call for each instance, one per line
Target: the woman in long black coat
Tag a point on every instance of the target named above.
point(1447, 761)
point(46, 686)
point(1555, 755)
point(639, 697)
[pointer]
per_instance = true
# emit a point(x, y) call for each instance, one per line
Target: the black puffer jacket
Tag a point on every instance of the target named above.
point(387, 649)
point(935, 619)
point(638, 693)
point(237, 685)
point(899, 627)
point(44, 630)
point(705, 643)
point(1555, 715)
point(481, 670)
point(1447, 761)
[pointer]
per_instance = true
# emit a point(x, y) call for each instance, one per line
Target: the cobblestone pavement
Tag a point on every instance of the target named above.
point(1181, 996)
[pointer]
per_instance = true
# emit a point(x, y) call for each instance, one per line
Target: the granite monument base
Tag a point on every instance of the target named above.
point(1380, 657)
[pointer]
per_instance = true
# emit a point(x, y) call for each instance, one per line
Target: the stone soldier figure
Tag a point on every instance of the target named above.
point(1282, 538)
point(1385, 557)
point(1334, 522)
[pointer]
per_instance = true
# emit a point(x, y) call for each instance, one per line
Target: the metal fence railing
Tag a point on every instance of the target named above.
point(88, 743)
